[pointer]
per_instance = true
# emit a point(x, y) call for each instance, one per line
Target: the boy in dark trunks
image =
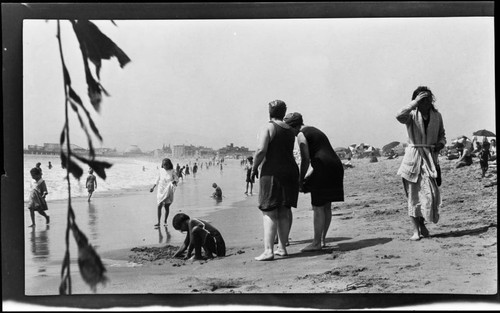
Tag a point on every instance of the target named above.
point(200, 234)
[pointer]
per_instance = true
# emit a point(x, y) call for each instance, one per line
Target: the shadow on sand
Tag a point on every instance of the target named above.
point(347, 246)
point(465, 232)
point(334, 239)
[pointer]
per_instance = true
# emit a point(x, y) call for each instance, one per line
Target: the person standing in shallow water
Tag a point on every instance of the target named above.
point(217, 193)
point(324, 180)
point(250, 180)
point(37, 196)
point(278, 182)
point(166, 182)
point(91, 183)
point(420, 167)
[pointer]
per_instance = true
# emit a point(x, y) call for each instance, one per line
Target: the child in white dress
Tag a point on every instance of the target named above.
point(37, 196)
point(166, 182)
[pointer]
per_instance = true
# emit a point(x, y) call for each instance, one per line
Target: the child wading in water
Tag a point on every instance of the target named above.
point(37, 196)
point(166, 182)
point(199, 234)
point(217, 193)
point(250, 179)
point(91, 183)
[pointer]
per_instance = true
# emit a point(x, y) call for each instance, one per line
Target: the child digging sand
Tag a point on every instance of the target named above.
point(199, 234)
point(37, 196)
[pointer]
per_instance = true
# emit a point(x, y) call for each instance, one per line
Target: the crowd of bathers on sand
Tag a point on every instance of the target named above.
point(319, 172)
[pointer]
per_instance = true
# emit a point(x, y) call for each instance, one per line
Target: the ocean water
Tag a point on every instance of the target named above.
point(125, 173)
point(122, 211)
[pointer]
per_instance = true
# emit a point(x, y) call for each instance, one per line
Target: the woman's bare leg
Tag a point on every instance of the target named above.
point(328, 219)
point(270, 226)
point(284, 224)
point(416, 232)
point(319, 226)
point(290, 222)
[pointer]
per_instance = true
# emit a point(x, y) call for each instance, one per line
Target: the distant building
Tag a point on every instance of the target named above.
point(184, 151)
point(232, 151)
point(54, 148)
point(179, 151)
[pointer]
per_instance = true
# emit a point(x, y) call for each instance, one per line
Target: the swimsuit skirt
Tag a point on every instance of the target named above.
point(326, 183)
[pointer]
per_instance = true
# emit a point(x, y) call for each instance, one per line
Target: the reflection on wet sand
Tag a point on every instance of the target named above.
point(40, 248)
point(160, 235)
point(92, 221)
point(40, 243)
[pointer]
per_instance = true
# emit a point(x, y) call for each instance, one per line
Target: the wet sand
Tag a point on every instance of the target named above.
point(368, 248)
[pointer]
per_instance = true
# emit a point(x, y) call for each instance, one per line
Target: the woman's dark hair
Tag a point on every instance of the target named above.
point(426, 89)
point(179, 219)
point(35, 171)
point(168, 163)
point(277, 109)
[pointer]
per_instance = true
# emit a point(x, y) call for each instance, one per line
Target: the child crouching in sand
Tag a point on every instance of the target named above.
point(199, 234)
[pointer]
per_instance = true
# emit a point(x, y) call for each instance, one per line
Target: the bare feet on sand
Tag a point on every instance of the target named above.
point(415, 237)
point(280, 252)
point(265, 257)
point(311, 247)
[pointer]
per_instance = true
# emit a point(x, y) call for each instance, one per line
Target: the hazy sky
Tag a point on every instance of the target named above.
point(208, 82)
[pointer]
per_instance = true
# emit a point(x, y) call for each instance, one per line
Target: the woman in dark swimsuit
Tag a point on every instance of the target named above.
point(279, 180)
point(325, 181)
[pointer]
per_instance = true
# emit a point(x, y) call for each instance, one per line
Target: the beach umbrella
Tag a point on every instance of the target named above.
point(390, 145)
point(484, 133)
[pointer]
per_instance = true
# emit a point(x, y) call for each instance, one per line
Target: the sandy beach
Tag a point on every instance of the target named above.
point(368, 248)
